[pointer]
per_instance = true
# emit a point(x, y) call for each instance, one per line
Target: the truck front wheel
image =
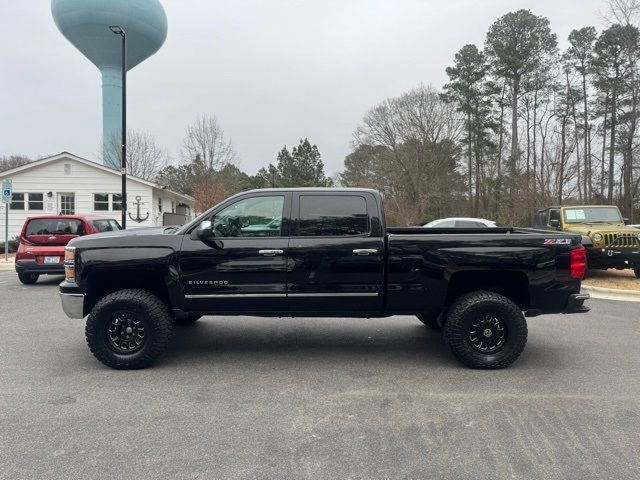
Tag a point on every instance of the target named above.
point(485, 330)
point(128, 329)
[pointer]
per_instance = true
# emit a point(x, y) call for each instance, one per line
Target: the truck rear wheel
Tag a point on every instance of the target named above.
point(485, 330)
point(430, 321)
point(128, 329)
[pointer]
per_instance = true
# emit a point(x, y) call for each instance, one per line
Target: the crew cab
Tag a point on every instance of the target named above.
point(318, 252)
point(43, 238)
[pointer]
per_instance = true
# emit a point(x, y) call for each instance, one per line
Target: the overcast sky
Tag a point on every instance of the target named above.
point(271, 71)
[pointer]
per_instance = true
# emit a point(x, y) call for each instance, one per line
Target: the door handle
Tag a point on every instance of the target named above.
point(270, 253)
point(365, 251)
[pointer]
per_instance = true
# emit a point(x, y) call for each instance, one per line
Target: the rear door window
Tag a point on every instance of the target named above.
point(105, 225)
point(332, 215)
point(54, 226)
point(445, 224)
point(469, 224)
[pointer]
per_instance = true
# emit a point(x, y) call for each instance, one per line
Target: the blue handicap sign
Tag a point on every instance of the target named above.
point(6, 192)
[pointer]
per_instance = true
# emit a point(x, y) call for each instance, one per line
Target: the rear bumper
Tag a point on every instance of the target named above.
point(575, 304)
point(31, 266)
point(73, 304)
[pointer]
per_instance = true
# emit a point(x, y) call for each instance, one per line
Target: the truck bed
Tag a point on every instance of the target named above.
point(426, 265)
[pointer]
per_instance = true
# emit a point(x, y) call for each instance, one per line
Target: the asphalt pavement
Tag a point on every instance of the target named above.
point(255, 398)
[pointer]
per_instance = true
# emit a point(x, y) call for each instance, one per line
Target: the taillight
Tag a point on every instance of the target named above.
point(578, 263)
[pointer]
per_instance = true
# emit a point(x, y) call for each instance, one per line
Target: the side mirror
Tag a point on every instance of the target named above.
point(626, 221)
point(554, 223)
point(204, 231)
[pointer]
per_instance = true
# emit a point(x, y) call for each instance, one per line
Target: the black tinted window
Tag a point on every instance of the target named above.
point(554, 215)
point(324, 215)
point(54, 226)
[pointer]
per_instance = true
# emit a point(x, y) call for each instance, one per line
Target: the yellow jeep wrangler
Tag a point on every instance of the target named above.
point(609, 242)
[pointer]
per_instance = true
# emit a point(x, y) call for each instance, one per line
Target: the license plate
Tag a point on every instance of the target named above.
point(51, 259)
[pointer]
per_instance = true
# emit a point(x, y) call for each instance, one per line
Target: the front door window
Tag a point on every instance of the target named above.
point(67, 203)
point(251, 217)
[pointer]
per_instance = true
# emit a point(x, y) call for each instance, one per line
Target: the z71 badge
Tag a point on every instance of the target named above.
point(557, 241)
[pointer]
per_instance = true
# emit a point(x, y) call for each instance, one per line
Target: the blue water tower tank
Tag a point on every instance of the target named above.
point(85, 23)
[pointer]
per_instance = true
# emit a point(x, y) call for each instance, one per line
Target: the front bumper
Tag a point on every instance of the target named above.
point(73, 304)
point(31, 266)
point(613, 257)
point(575, 304)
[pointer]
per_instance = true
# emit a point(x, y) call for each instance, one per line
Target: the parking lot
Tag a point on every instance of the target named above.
point(244, 397)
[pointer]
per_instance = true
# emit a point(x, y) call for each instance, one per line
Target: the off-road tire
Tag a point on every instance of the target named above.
point(637, 272)
point(430, 321)
point(187, 320)
point(465, 310)
point(147, 307)
point(28, 278)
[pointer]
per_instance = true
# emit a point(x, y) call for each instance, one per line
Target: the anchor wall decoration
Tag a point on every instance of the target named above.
point(138, 218)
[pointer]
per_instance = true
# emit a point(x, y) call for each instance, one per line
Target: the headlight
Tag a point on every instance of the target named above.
point(70, 263)
point(597, 237)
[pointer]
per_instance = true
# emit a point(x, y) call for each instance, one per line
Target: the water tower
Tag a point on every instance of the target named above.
point(85, 23)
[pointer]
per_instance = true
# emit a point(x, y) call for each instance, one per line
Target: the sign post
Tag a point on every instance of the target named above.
point(7, 192)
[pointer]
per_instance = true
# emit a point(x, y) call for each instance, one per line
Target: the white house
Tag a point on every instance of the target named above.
point(68, 184)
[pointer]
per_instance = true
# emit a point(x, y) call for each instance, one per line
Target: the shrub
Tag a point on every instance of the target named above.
point(13, 246)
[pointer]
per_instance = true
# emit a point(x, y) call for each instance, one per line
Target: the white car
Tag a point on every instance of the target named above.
point(461, 222)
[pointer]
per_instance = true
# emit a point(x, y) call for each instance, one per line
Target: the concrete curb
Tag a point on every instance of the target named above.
point(612, 293)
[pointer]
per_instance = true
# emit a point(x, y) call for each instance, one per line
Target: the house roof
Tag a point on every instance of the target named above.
point(90, 163)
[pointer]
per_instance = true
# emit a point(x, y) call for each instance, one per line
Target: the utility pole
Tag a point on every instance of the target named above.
point(123, 160)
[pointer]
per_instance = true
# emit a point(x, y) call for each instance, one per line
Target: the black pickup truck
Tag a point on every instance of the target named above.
point(318, 252)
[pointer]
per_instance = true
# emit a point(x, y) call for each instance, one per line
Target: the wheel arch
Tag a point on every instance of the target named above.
point(101, 283)
point(512, 284)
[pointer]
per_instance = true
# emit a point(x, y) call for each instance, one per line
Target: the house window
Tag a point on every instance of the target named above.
point(17, 201)
point(36, 201)
point(100, 202)
point(116, 201)
point(159, 205)
point(105, 202)
point(67, 169)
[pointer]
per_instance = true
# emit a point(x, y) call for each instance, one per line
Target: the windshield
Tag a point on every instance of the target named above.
point(592, 215)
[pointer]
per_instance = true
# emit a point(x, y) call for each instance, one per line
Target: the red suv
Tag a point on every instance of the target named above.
point(43, 238)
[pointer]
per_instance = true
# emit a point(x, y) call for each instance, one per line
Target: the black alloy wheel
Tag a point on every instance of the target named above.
point(125, 333)
point(487, 334)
